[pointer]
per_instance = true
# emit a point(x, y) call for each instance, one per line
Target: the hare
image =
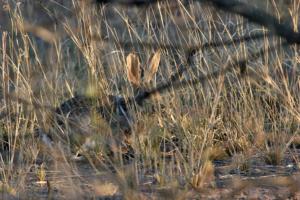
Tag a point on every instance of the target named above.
point(80, 120)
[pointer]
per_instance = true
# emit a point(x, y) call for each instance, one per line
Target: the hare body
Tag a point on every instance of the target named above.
point(82, 120)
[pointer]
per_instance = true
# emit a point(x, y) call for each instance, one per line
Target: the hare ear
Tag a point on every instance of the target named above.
point(153, 66)
point(133, 69)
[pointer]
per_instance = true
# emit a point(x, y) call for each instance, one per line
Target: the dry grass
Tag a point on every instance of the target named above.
point(229, 137)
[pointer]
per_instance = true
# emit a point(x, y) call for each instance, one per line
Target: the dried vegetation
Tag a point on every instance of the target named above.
point(230, 136)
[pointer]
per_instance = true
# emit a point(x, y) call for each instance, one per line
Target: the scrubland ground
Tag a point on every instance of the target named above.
point(234, 136)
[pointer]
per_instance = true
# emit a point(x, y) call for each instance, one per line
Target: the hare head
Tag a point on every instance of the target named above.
point(140, 78)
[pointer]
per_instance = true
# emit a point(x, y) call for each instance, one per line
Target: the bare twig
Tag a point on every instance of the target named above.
point(248, 11)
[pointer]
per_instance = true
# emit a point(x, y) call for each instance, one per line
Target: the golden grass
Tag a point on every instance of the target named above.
point(207, 140)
